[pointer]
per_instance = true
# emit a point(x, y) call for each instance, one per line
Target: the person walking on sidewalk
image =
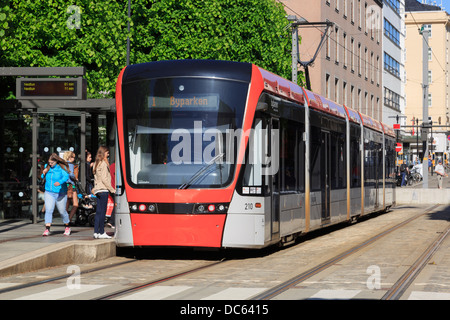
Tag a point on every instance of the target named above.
point(439, 169)
point(102, 187)
point(56, 173)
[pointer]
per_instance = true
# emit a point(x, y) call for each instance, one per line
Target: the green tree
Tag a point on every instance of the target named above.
point(52, 33)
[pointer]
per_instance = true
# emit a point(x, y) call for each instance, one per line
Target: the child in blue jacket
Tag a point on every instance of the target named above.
point(56, 174)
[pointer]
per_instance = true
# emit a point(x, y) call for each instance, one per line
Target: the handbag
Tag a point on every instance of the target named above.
point(41, 185)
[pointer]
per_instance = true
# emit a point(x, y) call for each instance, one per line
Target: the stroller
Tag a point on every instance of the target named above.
point(86, 208)
point(88, 205)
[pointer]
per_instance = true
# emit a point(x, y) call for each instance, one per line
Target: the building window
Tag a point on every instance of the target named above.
point(344, 93)
point(394, 4)
point(353, 53)
point(366, 63)
point(360, 15)
point(327, 85)
point(336, 90)
point(328, 47)
point(373, 27)
point(352, 97)
point(391, 99)
point(352, 11)
point(378, 70)
point(391, 65)
point(364, 17)
point(372, 106)
point(379, 109)
point(345, 49)
point(359, 59)
point(359, 100)
point(366, 103)
point(391, 32)
point(337, 45)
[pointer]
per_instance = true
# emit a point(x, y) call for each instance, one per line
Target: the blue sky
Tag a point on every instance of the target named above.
point(445, 3)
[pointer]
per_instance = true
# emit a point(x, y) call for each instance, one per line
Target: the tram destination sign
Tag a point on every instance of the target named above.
point(51, 88)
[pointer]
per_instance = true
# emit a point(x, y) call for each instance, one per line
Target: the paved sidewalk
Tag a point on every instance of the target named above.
point(23, 248)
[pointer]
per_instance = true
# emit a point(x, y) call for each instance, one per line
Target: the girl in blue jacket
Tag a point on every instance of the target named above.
point(56, 174)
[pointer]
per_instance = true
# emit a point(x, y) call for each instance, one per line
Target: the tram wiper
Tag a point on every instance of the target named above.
point(200, 172)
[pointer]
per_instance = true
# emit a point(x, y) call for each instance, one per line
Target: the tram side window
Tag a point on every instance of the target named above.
point(253, 174)
point(368, 163)
point(355, 161)
point(380, 162)
point(390, 160)
point(373, 161)
point(315, 145)
point(338, 161)
point(290, 164)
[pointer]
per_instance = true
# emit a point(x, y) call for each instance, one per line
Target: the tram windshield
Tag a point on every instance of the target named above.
point(180, 132)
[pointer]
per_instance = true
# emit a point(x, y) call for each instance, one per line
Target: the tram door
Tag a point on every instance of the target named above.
point(326, 176)
point(275, 177)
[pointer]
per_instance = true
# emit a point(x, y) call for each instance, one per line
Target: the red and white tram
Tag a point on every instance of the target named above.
point(225, 154)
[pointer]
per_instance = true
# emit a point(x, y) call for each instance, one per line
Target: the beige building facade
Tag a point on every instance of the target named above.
point(438, 25)
point(348, 68)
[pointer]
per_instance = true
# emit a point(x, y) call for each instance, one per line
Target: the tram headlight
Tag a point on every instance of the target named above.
point(143, 208)
point(211, 208)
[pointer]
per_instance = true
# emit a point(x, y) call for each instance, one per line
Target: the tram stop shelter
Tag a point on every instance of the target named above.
point(51, 114)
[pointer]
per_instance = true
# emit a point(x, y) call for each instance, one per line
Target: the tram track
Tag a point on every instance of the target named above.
point(157, 281)
point(405, 281)
point(63, 276)
point(294, 281)
point(279, 289)
point(129, 289)
point(215, 273)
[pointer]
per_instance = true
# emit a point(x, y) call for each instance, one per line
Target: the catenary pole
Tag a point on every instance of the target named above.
point(425, 106)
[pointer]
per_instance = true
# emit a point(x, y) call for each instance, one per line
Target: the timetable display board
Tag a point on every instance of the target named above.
point(51, 88)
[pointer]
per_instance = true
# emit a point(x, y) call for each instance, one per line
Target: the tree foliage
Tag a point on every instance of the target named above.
point(52, 33)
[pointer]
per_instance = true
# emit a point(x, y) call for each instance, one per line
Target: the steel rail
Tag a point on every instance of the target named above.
point(398, 289)
point(277, 290)
point(157, 281)
point(62, 276)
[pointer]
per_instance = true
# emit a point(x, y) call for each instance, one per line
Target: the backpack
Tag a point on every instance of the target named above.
point(403, 167)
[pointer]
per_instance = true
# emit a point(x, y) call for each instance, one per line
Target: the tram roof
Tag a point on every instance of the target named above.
point(282, 87)
point(285, 88)
point(320, 103)
point(353, 115)
point(240, 71)
point(388, 130)
point(370, 122)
